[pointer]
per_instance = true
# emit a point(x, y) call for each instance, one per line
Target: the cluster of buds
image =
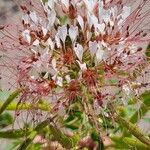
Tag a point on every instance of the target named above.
point(69, 49)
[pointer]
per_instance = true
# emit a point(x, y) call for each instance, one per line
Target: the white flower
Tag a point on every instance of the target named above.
point(26, 36)
point(73, 32)
point(81, 22)
point(62, 33)
point(79, 51)
point(92, 47)
point(34, 17)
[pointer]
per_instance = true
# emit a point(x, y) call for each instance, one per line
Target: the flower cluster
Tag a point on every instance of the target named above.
point(78, 50)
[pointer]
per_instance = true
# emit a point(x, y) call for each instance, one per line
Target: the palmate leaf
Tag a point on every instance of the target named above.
point(9, 100)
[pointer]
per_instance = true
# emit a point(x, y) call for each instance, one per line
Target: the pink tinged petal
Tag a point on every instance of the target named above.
point(61, 110)
point(89, 35)
point(34, 17)
point(65, 2)
point(101, 28)
point(50, 43)
point(73, 32)
point(26, 36)
point(25, 18)
point(92, 19)
point(82, 66)
point(68, 79)
point(81, 22)
point(62, 32)
point(90, 4)
point(93, 48)
point(79, 51)
point(36, 43)
point(57, 40)
point(51, 18)
point(59, 81)
point(44, 30)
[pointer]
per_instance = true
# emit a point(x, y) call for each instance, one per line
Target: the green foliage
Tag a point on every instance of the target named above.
point(9, 100)
point(5, 120)
point(148, 51)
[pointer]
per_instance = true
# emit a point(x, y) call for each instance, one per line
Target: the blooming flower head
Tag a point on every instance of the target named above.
point(73, 49)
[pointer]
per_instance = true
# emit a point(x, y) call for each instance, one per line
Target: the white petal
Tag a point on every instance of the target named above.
point(26, 36)
point(73, 32)
point(61, 111)
point(101, 28)
point(92, 47)
point(54, 63)
point(51, 4)
point(57, 40)
point(82, 66)
point(79, 51)
point(50, 43)
point(126, 12)
point(81, 22)
point(68, 79)
point(51, 18)
point(44, 30)
point(36, 42)
point(62, 32)
point(25, 18)
point(34, 17)
point(59, 81)
point(99, 55)
point(65, 2)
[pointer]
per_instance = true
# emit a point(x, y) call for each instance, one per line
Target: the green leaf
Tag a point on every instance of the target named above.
point(135, 144)
point(12, 146)
point(148, 51)
point(133, 129)
point(144, 108)
point(5, 120)
point(9, 100)
point(12, 134)
point(146, 120)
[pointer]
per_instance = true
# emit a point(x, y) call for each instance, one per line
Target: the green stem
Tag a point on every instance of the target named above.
point(134, 143)
point(133, 129)
point(13, 106)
